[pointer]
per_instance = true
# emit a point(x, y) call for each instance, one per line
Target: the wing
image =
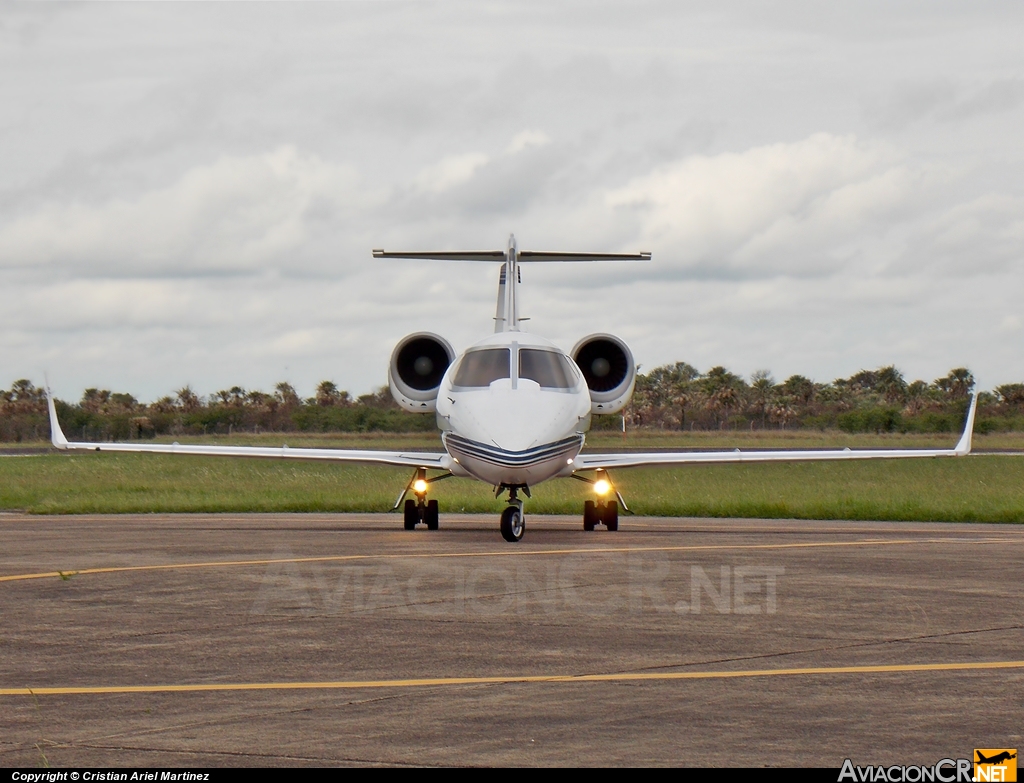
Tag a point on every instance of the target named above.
point(409, 459)
point(603, 461)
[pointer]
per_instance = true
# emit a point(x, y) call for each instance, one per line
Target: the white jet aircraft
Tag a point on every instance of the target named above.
point(513, 410)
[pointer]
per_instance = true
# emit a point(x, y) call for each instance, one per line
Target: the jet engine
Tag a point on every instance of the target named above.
point(608, 367)
point(418, 364)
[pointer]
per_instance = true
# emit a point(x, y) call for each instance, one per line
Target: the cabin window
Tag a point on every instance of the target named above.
point(481, 368)
point(548, 368)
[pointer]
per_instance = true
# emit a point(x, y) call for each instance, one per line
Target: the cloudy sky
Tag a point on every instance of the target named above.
point(190, 192)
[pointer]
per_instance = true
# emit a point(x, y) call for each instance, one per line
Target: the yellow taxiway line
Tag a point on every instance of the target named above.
point(434, 682)
point(505, 553)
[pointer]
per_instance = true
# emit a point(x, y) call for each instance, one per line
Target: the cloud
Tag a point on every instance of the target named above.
point(191, 191)
point(911, 102)
point(944, 100)
point(980, 236)
point(527, 138)
point(235, 215)
point(449, 171)
point(456, 170)
point(771, 210)
point(1001, 95)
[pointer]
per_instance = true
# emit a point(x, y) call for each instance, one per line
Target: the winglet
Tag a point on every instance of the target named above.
point(963, 448)
point(56, 434)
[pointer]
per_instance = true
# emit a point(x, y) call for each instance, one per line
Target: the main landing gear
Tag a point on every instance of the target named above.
point(601, 512)
point(415, 513)
point(513, 521)
point(420, 510)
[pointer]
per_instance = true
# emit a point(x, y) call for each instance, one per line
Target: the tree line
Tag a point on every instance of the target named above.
point(671, 397)
point(680, 397)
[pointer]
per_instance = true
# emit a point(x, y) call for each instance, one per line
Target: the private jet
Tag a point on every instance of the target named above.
point(513, 410)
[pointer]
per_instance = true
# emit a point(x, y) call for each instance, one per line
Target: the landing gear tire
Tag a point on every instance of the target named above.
point(430, 515)
point(590, 517)
point(610, 515)
point(512, 524)
point(412, 514)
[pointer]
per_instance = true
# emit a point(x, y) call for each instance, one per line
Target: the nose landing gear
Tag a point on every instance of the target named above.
point(513, 521)
point(513, 525)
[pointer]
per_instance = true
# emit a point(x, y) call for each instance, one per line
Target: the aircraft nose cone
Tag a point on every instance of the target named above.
point(515, 419)
point(509, 433)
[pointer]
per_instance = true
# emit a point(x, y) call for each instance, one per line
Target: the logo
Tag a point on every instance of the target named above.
point(944, 771)
point(995, 764)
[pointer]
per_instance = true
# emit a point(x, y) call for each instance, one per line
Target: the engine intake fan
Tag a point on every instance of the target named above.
point(608, 367)
point(417, 366)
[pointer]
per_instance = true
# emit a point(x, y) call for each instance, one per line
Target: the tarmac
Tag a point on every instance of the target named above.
point(341, 639)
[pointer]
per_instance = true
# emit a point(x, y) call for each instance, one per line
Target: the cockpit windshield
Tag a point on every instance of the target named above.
point(548, 368)
point(481, 368)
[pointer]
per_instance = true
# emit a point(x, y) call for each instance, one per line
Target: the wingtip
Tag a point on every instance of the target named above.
point(963, 448)
point(56, 433)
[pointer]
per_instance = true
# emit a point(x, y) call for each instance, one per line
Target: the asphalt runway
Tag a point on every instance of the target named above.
point(223, 640)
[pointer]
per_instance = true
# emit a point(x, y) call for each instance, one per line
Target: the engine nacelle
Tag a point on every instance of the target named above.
point(608, 367)
point(417, 366)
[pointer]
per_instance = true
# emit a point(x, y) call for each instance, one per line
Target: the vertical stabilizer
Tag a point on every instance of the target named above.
point(511, 266)
point(499, 313)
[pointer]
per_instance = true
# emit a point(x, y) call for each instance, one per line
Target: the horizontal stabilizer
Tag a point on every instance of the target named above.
point(445, 255)
point(524, 256)
point(553, 255)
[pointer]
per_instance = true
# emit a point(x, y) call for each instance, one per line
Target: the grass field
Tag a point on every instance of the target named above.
point(977, 488)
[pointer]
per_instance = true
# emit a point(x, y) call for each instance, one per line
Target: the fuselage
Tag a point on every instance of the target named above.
point(513, 409)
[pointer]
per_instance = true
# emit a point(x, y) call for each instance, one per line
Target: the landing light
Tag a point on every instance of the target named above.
point(420, 486)
point(601, 487)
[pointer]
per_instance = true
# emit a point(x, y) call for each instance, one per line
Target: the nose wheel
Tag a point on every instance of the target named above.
point(513, 524)
point(513, 521)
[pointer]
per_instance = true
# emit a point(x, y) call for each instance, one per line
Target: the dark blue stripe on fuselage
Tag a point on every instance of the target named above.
point(518, 459)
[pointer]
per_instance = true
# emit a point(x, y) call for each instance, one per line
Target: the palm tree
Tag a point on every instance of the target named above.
point(24, 390)
point(722, 388)
point(286, 394)
point(957, 384)
point(187, 399)
point(327, 393)
point(891, 385)
point(762, 387)
point(917, 398)
point(800, 388)
point(1011, 393)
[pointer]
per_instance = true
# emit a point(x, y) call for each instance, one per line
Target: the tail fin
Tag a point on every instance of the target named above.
point(499, 313)
point(507, 316)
